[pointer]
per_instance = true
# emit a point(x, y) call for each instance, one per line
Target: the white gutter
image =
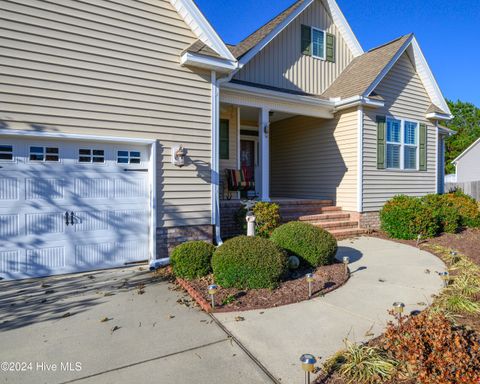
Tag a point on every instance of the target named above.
point(208, 62)
point(438, 116)
point(356, 101)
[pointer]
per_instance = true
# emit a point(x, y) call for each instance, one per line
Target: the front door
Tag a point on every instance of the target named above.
point(247, 158)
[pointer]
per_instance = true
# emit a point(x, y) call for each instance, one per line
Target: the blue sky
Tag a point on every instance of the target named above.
point(448, 31)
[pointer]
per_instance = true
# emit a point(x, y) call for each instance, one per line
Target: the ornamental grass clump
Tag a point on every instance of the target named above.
point(192, 260)
point(248, 263)
point(359, 363)
point(313, 245)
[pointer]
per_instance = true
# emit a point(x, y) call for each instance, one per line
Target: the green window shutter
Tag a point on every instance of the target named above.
point(381, 141)
point(224, 139)
point(423, 147)
point(330, 47)
point(306, 42)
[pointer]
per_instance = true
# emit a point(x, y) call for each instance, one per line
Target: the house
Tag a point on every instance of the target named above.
point(120, 121)
point(466, 164)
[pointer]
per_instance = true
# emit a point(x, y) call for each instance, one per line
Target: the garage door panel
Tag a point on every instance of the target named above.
point(86, 209)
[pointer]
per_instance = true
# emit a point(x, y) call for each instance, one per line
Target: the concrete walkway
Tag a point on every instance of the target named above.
point(382, 272)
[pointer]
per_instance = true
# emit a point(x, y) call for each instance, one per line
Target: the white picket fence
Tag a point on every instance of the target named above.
point(471, 188)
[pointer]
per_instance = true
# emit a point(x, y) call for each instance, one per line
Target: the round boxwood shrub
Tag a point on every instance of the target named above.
point(248, 262)
point(313, 245)
point(406, 217)
point(193, 259)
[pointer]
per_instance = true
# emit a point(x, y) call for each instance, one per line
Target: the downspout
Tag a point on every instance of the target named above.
point(216, 82)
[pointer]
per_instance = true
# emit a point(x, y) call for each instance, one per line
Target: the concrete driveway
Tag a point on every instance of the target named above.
point(382, 272)
point(53, 329)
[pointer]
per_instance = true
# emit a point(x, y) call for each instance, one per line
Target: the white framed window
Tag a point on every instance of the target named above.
point(44, 154)
point(318, 43)
point(6, 152)
point(402, 144)
point(91, 156)
point(129, 157)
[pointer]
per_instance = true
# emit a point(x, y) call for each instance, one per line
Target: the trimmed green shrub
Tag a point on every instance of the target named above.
point(313, 245)
point(248, 263)
point(467, 207)
point(191, 260)
point(444, 212)
point(267, 218)
point(405, 217)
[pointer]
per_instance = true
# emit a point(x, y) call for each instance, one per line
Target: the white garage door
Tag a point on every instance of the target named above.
point(71, 206)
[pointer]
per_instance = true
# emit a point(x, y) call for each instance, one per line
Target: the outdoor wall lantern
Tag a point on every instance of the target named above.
point(310, 279)
point(346, 261)
point(308, 365)
point(178, 155)
point(212, 290)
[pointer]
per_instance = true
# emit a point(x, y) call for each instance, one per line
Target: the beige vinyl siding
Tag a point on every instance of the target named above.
point(405, 98)
point(111, 67)
point(315, 158)
point(281, 63)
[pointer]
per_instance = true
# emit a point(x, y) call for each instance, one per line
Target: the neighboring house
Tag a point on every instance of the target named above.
point(467, 164)
point(98, 98)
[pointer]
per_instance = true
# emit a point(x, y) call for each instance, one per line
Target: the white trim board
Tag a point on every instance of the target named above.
point(199, 25)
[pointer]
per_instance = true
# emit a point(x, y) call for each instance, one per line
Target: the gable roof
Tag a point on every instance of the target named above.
point(256, 37)
point(467, 150)
point(255, 42)
point(201, 27)
point(365, 72)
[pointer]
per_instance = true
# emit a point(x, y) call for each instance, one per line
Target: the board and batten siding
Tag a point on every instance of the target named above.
point(111, 67)
point(405, 98)
point(316, 158)
point(282, 64)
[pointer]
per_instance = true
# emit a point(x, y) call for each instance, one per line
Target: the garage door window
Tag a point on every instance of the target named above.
point(128, 157)
point(96, 156)
point(44, 154)
point(6, 152)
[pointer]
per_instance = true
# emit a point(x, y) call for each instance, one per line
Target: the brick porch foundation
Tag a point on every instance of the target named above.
point(370, 220)
point(169, 238)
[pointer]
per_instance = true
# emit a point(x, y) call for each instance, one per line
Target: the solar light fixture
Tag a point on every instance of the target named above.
point(445, 277)
point(308, 365)
point(398, 308)
point(212, 290)
point(310, 279)
point(346, 261)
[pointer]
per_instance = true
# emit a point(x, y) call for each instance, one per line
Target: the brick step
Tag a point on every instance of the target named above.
point(291, 214)
point(347, 233)
point(334, 225)
point(325, 217)
point(309, 202)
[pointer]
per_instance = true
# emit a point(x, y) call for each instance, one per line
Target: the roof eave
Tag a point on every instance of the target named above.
point(355, 101)
point(200, 26)
point(439, 116)
point(208, 62)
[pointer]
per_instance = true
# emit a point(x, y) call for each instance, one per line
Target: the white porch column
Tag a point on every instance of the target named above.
point(264, 134)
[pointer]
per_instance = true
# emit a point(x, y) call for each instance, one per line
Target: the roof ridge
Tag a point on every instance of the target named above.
point(390, 42)
point(268, 22)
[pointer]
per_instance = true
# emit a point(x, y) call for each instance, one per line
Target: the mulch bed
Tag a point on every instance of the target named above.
point(293, 289)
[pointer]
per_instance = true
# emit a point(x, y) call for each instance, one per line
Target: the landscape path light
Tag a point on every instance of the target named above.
point(308, 365)
point(398, 308)
point(310, 279)
point(445, 277)
point(346, 261)
point(212, 290)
